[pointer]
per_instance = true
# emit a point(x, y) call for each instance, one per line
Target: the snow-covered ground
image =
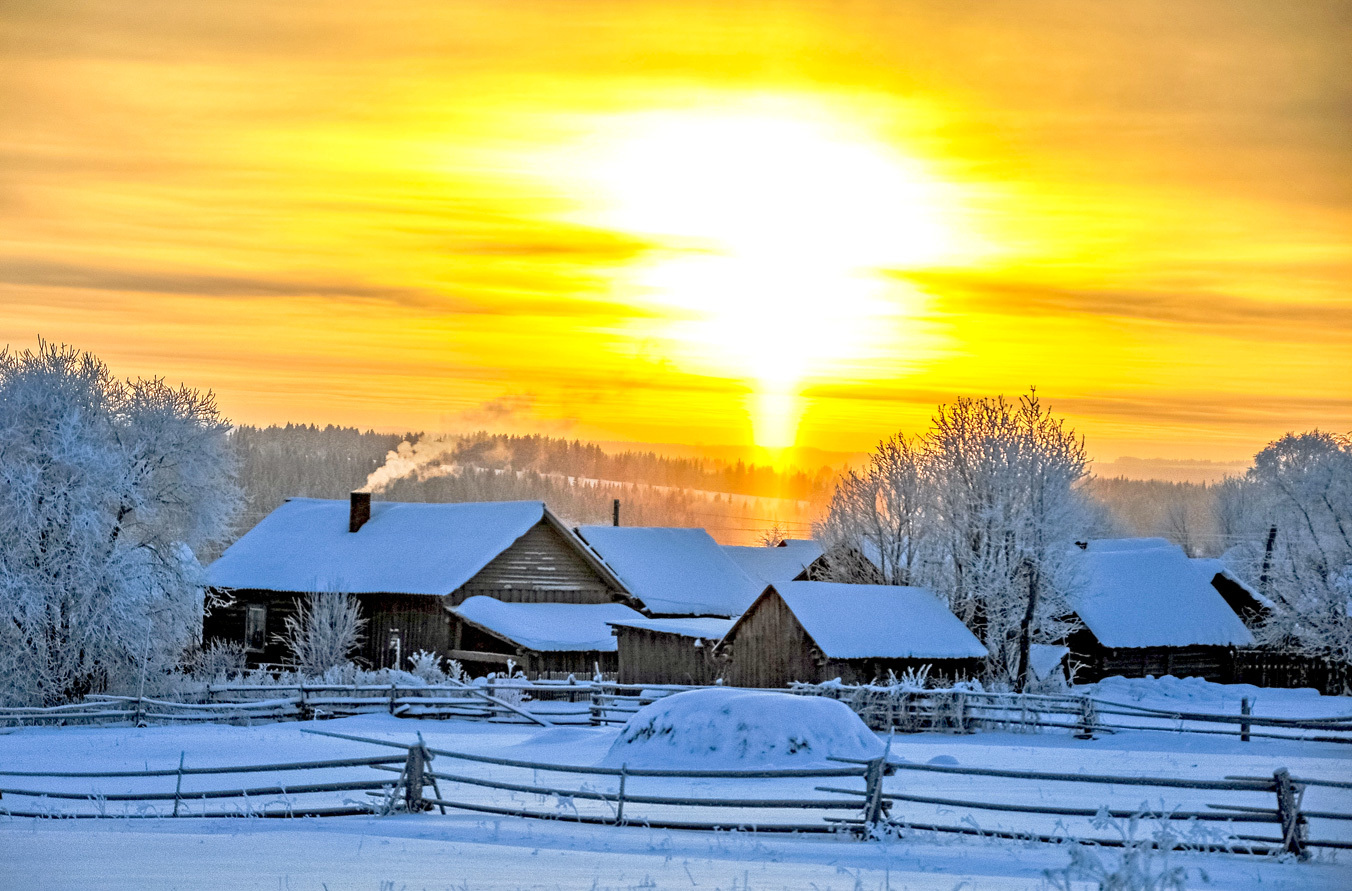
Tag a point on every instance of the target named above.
point(468, 850)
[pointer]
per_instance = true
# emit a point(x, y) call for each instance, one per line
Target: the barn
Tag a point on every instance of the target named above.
point(673, 572)
point(819, 631)
point(668, 651)
point(405, 563)
point(1147, 609)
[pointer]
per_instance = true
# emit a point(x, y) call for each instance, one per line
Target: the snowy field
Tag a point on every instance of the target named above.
point(468, 850)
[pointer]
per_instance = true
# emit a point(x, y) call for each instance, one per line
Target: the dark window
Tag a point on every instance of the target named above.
point(255, 626)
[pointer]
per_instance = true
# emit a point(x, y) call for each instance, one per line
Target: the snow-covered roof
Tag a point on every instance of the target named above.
point(779, 564)
point(1212, 567)
point(674, 572)
point(1148, 593)
point(706, 628)
point(878, 621)
point(305, 545)
point(548, 627)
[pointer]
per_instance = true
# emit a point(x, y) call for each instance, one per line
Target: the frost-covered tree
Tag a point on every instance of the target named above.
point(107, 490)
point(325, 631)
point(1301, 485)
point(983, 508)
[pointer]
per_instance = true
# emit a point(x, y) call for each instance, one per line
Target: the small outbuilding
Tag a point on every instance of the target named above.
point(818, 631)
point(669, 651)
point(538, 638)
point(1147, 609)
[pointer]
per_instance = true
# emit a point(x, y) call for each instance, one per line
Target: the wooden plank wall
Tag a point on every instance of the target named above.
point(770, 648)
point(655, 657)
point(540, 567)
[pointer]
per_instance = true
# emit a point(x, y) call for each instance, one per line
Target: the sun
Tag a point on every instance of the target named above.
point(775, 219)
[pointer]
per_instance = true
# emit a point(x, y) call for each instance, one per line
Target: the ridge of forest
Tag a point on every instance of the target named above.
point(736, 501)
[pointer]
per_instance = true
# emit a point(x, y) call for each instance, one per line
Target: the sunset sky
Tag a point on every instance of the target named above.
point(716, 223)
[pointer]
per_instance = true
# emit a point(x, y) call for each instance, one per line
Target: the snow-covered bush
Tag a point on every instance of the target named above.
point(325, 630)
point(108, 489)
point(426, 665)
point(220, 660)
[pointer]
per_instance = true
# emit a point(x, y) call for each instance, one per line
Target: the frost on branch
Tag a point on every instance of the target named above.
point(326, 629)
point(108, 489)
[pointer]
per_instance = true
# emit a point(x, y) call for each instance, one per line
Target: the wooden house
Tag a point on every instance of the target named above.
point(1147, 609)
point(668, 651)
point(819, 631)
point(406, 564)
point(673, 572)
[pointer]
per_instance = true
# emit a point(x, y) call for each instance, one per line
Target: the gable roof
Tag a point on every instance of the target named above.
point(548, 627)
point(404, 548)
point(875, 621)
point(1146, 592)
point(674, 571)
point(778, 564)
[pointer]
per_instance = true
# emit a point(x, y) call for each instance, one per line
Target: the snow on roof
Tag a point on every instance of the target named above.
point(681, 572)
point(1044, 659)
point(878, 621)
point(305, 545)
point(779, 564)
point(548, 627)
point(706, 628)
point(1147, 593)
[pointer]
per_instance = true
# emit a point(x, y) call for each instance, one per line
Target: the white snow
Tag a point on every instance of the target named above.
point(778, 564)
point(1045, 659)
point(723, 727)
point(305, 545)
point(549, 627)
point(878, 621)
point(674, 572)
point(1210, 567)
point(1147, 593)
point(475, 851)
point(705, 628)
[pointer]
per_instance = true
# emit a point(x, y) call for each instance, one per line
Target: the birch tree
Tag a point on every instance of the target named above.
point(108, 488)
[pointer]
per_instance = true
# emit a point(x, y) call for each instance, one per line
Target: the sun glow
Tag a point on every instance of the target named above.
point(774, 223)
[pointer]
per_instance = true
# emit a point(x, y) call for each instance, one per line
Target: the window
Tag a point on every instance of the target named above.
point(255, 626)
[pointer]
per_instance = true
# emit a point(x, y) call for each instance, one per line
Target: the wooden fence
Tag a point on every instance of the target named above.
point(1269, 668)
point(600, 703)
point(869, 806)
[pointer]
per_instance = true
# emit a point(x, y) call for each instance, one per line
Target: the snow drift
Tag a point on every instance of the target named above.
point(718, 727)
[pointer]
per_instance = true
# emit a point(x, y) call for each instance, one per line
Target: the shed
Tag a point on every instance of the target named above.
point(818, 631)
point(673, 572)
point(405, 563)
point(1148, 609)
point(538, 637)
point(669, 651)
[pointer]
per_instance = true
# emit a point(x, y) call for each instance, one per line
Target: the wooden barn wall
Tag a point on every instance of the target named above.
point(226, 623)
point(655, 657)
point(468, 641)
point(540, 567)
point(866, 671)
point(771, 649)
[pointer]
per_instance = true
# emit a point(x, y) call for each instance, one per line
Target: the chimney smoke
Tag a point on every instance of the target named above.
point(360, 511)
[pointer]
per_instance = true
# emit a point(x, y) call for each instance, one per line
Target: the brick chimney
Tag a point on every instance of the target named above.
point(361, 511)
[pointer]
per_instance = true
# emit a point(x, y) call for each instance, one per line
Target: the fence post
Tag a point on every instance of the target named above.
point(392, 690)
point(619, 806)
point(413, 780)
point(178, 786)
point(873, 801)
point(1288, 811)
point(1087, 718)
point(1245, 709)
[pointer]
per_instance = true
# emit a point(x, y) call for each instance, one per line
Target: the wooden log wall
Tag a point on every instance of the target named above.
point(770, 649)
point(540, 567)
point(656, 657)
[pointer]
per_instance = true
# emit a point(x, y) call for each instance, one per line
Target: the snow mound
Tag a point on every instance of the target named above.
point(718, 728)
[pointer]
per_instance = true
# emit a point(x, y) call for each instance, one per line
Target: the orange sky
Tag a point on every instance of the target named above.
point(683, 222)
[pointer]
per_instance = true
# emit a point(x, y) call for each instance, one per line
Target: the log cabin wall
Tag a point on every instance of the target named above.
point(770, 648)
point(656, 657)
point(420, 619)
point(226, 623)
point(541, 566)
point(1095, 661)
point(867, 671)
